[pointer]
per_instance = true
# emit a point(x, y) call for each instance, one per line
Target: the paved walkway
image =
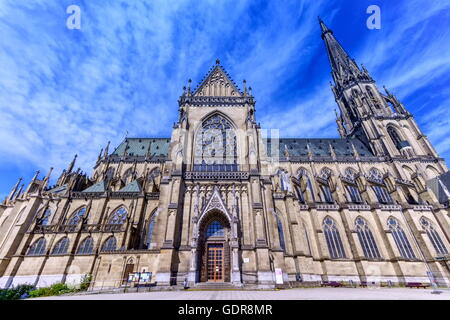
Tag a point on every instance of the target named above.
point(290, 294)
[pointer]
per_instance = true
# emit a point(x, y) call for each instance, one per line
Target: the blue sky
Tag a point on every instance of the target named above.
point(68, 91)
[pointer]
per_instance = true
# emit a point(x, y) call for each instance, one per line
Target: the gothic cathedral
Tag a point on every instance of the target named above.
point(220, 201)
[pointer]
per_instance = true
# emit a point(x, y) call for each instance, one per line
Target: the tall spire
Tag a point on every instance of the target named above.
point(343, 67)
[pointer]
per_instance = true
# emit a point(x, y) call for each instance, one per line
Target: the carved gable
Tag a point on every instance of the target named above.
point(218, 84)
point(215, 202)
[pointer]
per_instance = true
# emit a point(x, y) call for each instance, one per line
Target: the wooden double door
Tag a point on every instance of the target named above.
point(215, 262)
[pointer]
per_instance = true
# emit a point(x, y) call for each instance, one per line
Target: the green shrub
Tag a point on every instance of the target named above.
point(41, 292)
point(85, 282)
point(54, 290)
point(21, 291)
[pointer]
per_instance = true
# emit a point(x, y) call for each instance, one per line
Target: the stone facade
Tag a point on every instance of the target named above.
point(220, 201)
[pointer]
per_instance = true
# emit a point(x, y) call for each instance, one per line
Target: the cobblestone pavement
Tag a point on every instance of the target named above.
point(290, 294)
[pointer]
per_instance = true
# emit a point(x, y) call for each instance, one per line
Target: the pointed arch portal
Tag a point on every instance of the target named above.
point(213, 247)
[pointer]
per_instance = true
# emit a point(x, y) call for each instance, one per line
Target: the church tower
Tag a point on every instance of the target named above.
point(379, 120)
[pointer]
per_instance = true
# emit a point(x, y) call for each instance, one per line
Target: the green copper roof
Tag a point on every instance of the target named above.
point(133, 186)
point(159, 147)
point(319, 147)
point(59, 189)
point(98, 187)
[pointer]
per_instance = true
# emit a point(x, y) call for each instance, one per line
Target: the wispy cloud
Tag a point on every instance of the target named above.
point(70, 91)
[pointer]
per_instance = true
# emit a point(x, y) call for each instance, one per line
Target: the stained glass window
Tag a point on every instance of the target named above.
point(110, 244)
point(366, 239)
point(46, 217)
point(382, 194)
point(400, 239)
point(433, 235)
point(61, 246)
point(354, 194)
point(281, 233)
point(37, 248)
point(119, 216)
point(151, 226)
point(333, 239)
point(86, 247)
point(215, 146)
point(395, 137)
point(215, 229)
point(77, 216)
point(326, 192)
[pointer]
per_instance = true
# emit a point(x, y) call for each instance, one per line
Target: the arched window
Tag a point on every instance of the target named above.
point(154, 174)
point(77, 216)
point(370, 92)
point(325, 175)
point(110, 244)
point(37, 248)
point(151, 226)
point(128, 176)
point(215, 229)
point(304, 176)
point(215, 146)
point(366, 239)
point(333, 238)
point(382, 194)
point(350, 174)
point(434, 237)
point(280, 233)
point(45, 220)
point(118, 216)
point(284, 178)
point(299, 193)
point(326, 193)
point(86, 247)
point(376, 175)
point(354, 194)
point(395, 137)
point(400, 239)
point(61, 246)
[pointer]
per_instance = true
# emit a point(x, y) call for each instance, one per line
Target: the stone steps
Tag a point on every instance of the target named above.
point(215, 286)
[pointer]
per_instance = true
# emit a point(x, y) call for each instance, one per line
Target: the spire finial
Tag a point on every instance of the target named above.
point(355, 152)
point(13, 190)
point(217, 61)
point(332, 152)
point(107, 149)
point(72, 164)
point(49, 173)
point(324, 28)
point(189, 86)
point(100, 154)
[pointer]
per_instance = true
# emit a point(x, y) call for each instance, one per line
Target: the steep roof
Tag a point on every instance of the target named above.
point(133, 186)
point(98, 187)
point(295, 147)
point(159, 147)
point(217, 75)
